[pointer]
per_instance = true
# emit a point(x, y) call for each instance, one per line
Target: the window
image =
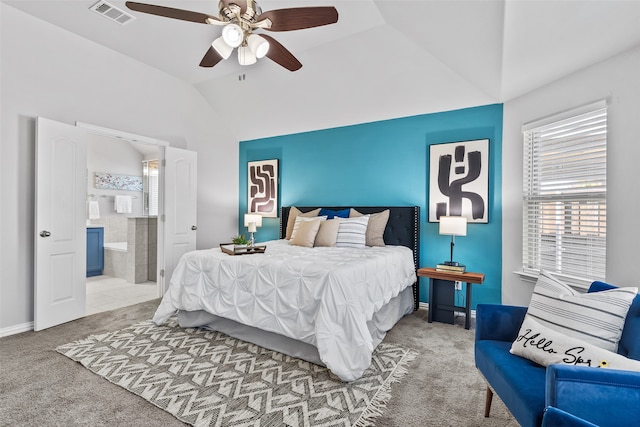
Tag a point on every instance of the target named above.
point(564, 195)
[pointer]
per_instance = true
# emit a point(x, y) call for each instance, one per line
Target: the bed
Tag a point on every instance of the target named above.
point(328, 305)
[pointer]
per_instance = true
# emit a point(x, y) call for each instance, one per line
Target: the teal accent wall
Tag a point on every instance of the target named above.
point(386, 163)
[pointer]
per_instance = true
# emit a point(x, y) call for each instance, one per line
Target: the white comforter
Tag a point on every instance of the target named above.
point(322, 296)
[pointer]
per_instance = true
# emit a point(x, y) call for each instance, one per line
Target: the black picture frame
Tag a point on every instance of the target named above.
point(459, 180)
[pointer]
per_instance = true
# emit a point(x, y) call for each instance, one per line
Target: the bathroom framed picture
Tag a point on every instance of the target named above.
point(459, 180)
point(262, 187)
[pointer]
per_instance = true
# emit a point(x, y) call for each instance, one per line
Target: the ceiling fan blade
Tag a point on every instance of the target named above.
point(280, 55)
point(169, 12)
point(211, 58)
point(299, 18)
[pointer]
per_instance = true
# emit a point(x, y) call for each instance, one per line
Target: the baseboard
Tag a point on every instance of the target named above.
point(426, 305)
point(16, 329)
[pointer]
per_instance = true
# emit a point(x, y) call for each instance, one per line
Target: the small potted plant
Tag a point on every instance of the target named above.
point(240, 241)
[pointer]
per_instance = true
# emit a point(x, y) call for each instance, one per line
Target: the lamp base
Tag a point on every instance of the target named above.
point(453, 264)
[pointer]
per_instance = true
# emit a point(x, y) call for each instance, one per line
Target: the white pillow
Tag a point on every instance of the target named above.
point(545, 347)
point(300, 219)
point(596, 317)
point(293, 214)
point(352, 232)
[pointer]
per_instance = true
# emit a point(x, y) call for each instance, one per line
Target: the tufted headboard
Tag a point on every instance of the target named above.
point(403, 228)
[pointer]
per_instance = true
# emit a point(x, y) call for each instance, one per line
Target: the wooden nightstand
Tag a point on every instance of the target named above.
point(442, 293)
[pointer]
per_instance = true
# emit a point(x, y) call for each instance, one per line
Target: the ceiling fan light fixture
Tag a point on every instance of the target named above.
point(246, 56)
point(258, 45)
point(232, 35)
point(222, 47)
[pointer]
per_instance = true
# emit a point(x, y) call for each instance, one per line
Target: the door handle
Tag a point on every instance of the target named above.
point(194, 228)
point(45, 233)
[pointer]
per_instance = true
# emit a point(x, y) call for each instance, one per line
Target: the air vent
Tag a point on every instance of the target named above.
point(112, 13)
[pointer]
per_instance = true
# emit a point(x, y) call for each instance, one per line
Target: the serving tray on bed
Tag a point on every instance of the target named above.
point(231, 249)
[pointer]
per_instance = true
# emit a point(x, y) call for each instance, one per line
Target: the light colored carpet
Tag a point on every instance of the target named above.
point(206, 378)
point(41, 387)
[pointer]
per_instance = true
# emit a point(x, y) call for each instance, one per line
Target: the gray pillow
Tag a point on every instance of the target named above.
point(375, 228)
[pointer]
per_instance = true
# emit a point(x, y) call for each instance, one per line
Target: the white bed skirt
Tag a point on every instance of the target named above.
point(383, 320)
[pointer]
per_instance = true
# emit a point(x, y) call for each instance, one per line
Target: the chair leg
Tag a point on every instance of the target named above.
point(487, 403)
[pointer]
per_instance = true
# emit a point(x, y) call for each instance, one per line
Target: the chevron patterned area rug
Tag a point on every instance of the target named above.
point(206, 378)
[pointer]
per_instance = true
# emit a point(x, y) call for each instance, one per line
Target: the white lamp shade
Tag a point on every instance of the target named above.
point(222, 47)
point(258, 45)
point(254, 219)
point(453, 225)
point(245, 56)
point(232, 35)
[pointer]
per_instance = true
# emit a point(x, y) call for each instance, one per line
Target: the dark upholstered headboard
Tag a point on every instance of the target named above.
point(403, 228)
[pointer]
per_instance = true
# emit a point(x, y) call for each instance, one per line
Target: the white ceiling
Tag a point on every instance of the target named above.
point(383, 59)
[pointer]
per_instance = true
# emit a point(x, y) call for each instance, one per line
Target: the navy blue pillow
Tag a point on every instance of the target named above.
point(344, 213)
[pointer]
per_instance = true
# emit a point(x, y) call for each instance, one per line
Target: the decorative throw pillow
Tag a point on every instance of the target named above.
point(306, 233)
point(546, 346)
point(596, 317)
point(328, 233)
point(300, 219)
point(293, 214)
point(352, 232)
point(344, 213)
point(375, 227)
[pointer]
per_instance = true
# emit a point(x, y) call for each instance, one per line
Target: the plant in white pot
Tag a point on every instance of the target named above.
point(240, 241)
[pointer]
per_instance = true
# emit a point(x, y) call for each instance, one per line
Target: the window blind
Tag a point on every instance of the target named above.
point(564, 196)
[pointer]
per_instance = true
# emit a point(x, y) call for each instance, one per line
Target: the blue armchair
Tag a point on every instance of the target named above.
point(560, 395)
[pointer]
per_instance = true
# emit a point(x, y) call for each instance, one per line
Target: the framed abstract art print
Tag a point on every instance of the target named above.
point(262, 188)
point(459, 180)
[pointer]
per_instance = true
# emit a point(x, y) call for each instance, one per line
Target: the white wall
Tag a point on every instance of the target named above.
point(49, 72)
point(114, 156)
point(617, 81)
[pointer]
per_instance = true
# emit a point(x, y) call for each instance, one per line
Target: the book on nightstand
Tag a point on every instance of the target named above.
point(451, 268)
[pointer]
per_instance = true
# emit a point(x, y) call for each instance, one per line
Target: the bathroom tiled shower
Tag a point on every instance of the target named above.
point(130, 249)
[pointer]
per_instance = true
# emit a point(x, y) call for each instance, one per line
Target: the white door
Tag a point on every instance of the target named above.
point(60, 224)
point(180, 204)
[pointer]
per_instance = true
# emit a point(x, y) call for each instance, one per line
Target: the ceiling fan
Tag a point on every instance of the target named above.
point(239, 19)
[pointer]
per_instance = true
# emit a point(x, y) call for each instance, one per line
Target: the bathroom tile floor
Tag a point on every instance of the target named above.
point(106, 293)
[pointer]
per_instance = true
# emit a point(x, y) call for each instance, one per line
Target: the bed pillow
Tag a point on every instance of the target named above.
point(352, 232)
point(300, 219)
point(596, 317)
point(328, 232)
point(375, 227)
point(546, 346)
point(344, 213)
point(293, 214)
point(306, 233)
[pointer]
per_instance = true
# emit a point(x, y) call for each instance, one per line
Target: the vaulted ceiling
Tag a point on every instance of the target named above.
point(383, 59)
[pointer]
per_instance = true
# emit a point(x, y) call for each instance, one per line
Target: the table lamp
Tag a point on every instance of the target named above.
point(453, 226)
point(252, 221)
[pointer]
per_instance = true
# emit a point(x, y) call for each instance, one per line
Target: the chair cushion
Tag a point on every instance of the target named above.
point(554, 417)
point(519, 382)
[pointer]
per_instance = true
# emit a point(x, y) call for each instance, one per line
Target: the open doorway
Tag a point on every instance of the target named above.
point(61, 214)
point(123, 178)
